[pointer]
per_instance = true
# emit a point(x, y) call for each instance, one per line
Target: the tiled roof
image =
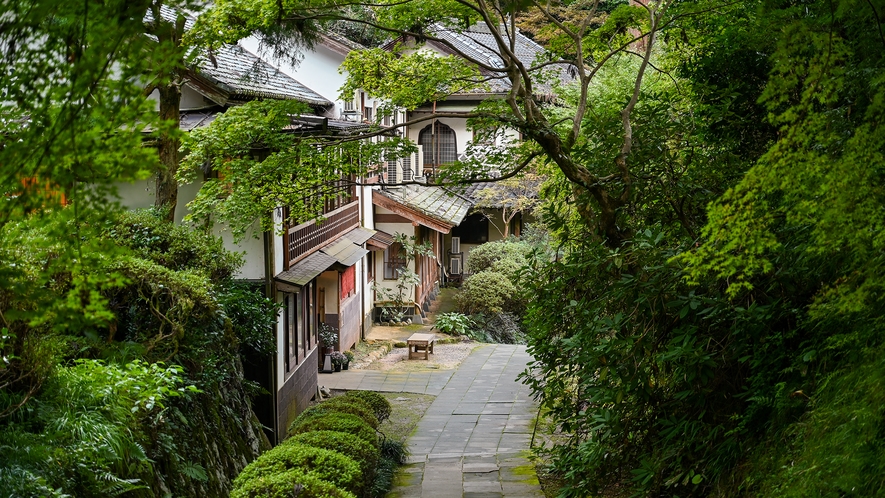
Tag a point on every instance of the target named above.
point(242, 73)
point(344, 251)
point(433, 202)
point(478, 43)
point(307, 269)
point(473, 192)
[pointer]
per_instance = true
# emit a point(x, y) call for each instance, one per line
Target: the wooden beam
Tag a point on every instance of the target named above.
point(412, 214)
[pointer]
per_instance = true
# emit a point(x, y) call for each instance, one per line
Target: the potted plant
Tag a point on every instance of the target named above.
point(338, 360)
point(328, 336)
point(349, 355)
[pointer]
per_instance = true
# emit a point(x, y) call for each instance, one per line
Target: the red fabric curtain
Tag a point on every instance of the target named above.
point(348, 282)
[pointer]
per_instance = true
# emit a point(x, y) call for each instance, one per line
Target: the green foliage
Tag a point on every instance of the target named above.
point(487, 291)
point(257, 167)
point(453, 323)
point(362, 452)
point(328, 335)
point(398, 299)
point(378, 403)
point(326, 465)
point(614, 306)
point(340, 404)
point(494, 284)
point(341, 422)
point(511, 251)
point(85, 433)
point(393, 454)
point(409, 80)
point(252, 317)
point(281, 485)
point(499, 328)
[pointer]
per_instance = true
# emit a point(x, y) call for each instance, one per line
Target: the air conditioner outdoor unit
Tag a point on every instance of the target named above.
point(456, 245)
point(455, 266)
point(392, 176)
point(407, 169)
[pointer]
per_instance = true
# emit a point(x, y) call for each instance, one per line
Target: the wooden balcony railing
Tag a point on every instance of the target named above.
point(303, 239)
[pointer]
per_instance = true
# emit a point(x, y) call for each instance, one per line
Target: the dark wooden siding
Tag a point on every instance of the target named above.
point(296, 392)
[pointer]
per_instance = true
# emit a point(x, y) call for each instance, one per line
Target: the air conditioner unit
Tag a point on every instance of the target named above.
point(455, 266)
point(392, 173)
point(418, 163)
point(407, 169)
point(456, 245)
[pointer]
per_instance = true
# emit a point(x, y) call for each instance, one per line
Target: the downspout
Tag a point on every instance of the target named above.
point(271, 292)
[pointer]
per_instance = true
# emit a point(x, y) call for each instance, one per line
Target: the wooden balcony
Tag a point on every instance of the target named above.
point(303, 239)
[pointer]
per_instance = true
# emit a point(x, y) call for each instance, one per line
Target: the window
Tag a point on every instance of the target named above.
point(440, 146)
point(367, 113)
point(290, 330)
point(394, 259)
point(299, 325)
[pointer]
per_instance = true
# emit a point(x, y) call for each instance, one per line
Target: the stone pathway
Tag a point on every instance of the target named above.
point(473, 440)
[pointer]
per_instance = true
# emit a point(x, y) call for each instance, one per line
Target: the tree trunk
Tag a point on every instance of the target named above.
point(166, 198)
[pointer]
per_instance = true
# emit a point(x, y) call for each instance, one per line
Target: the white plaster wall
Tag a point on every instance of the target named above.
point(190, 99)
point(318, 70)
point(140, 195)
point(391, 228)
point(329, 281)
point(252, 247)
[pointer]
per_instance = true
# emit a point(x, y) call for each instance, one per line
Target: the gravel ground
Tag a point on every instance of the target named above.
point(444, 356)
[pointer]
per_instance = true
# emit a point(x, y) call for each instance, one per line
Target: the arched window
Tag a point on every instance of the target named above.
point(439, 144)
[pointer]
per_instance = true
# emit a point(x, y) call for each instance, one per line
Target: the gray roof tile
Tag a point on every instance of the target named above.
point(435, 202)
point(243, 73)
point(480, 45)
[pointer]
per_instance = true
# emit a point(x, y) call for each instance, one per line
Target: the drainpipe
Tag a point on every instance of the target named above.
point(270, 292)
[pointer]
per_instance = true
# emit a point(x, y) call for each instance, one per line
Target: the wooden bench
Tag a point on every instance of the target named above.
point(420, 343)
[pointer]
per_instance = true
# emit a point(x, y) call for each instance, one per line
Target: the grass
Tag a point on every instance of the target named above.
point(407, 410)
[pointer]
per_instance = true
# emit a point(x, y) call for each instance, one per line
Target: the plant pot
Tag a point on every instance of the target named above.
point(344, 367)
point(337, 368)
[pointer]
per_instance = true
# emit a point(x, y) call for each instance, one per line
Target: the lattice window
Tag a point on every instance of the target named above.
point(393, 260)
point(440, 145)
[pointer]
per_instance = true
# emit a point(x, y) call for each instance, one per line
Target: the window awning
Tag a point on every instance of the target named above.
point(359, 235)
point(344, 252)
point(381, 240)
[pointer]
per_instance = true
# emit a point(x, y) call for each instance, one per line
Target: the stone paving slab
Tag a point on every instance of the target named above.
point(473, 439)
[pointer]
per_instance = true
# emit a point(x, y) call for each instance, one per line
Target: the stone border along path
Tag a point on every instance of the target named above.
point(473, 440)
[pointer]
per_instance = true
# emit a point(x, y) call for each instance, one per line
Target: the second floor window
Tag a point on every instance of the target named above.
point(440, 146)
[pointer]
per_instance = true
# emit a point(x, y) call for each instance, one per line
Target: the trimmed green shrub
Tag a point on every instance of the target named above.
point(325, 464)
point(360, 451)
point(341, 422)
point(375, 401)
point(353, 406)
point(482, 258)
point(281, 485)
point(338, 405)
point(486, 292)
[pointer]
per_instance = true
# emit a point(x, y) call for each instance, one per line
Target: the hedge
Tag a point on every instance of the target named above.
point(375, 401)
point(281, 485)
point(324, 464)
point(341, 422)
